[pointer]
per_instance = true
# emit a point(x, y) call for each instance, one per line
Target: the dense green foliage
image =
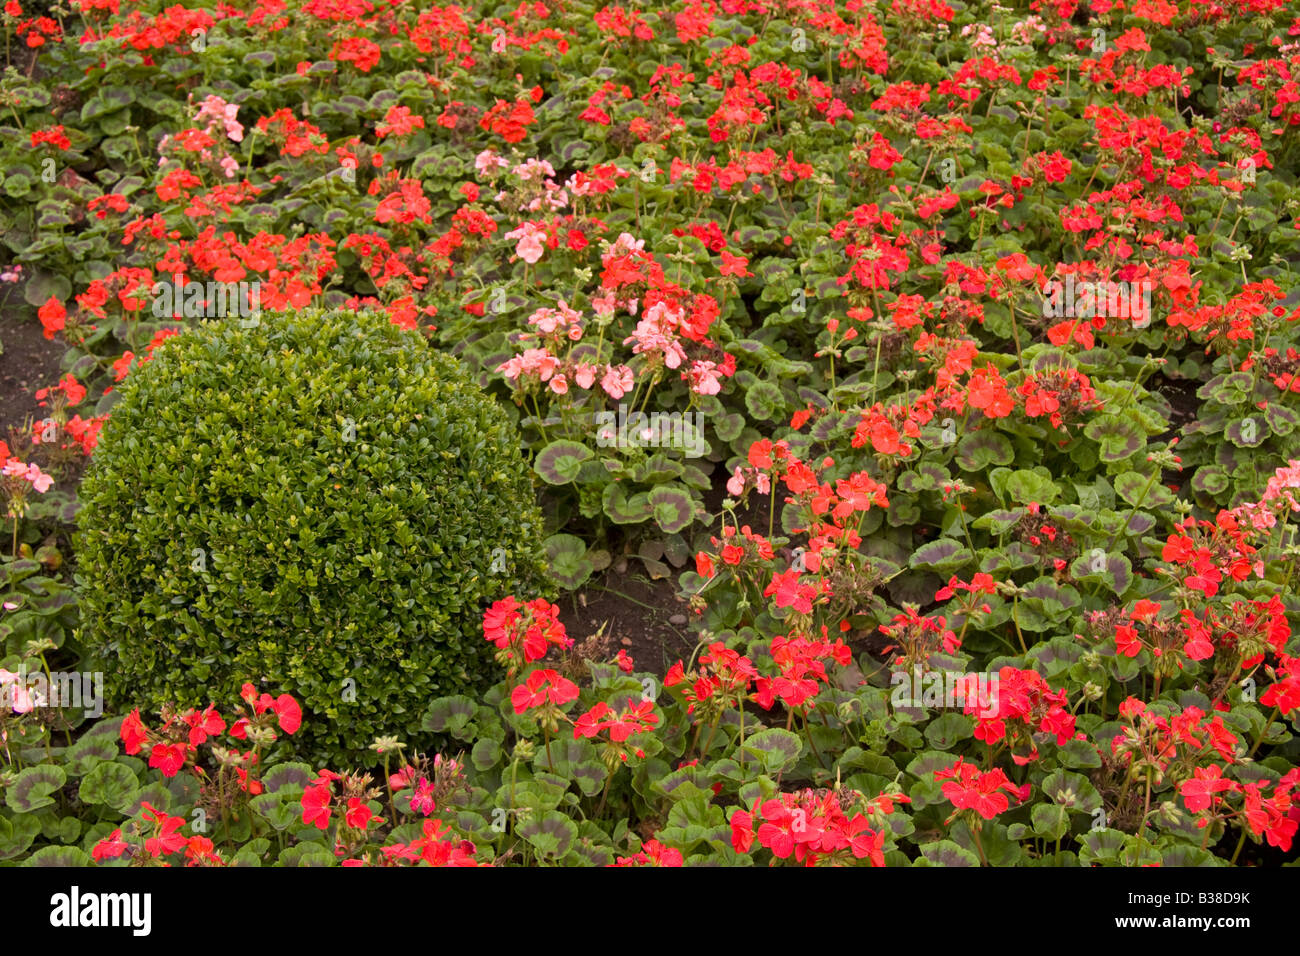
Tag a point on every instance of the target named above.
point(319, 500)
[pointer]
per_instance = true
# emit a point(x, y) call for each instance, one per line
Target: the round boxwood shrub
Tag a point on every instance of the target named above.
point(322, 504)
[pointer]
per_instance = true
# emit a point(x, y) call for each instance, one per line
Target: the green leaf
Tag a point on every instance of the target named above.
point(111, 784)
point(983, 447)
point(485, 754)
point(660, 468)
point(1079, 753)
point(16, 835)
point(1030, 486)
point(282, 810)
point(32, 789)
point(672, 507)
point(945, 555)
point(93, 747)
point(1281, 420)
point(559, 462)
point(775, 749)
point(1131, 486)
point(764, 401)
point(947, 853)
point(1118, 437)
point(306, 854)
point(1101, 846)
point(621, 509)
point(551, 834)
point(692, 821)
point(62, 829)
point(928, 762)
point(1096, 566)
point(1231, 389)
point(999, 520)
point(11, 572)
point(1249, 432)
point(59, 856)
point(44, 285)
point(285, 776)
point(949, 730)
point(450, 715)
point(1184, 855)
point(252, 852)
point(1210, 480)
point(1050, 822)
point(728, 426)
point(1073, 791)
point(572, 152)
point(568, 559)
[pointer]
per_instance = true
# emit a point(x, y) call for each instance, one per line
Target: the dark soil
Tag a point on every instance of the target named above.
point(645, 617)
point(29, 361)
point(634, 613)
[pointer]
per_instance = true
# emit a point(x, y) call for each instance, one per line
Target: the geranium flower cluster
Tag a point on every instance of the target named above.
point(20, 477)
point(175, 744)
point(985, 794)
point(802, 669)
point(1151, 742)
point(1273, 817)
point(652, 853)
point(721, 681)
point(1251, 629)
point(917, 636)
point(428, 782)
point(1026, 706)
point(434, 846)
point(813, 828)
point(161, 839)
point(173, 747)
point(523, 632)
point(1204, 553)
point(319, 803)
point(634, 718)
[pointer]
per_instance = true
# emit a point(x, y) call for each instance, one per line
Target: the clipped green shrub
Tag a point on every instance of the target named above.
point(323, 501)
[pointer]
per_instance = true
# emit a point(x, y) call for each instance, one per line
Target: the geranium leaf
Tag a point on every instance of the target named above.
point(551, 834)
point(983, 447)
point(449, 714)
point(568, 560)
point(944, 555)
point(672, 507)
point(59, 856)
point(1117, 437)
point(621, 509)
point(33, 787)
point(775, 749)
point(559, 462)
point(111, 784)
point(946, 853)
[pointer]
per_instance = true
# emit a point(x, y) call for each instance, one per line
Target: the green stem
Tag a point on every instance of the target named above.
point(812, 743)
point(1133, 510)
point(604, 794)
point(1240, 843)
point(1015, 330)
point(1263, 731)
point(979, 845)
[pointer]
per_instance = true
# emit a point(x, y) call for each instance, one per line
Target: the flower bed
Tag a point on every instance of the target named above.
point(942, 356)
